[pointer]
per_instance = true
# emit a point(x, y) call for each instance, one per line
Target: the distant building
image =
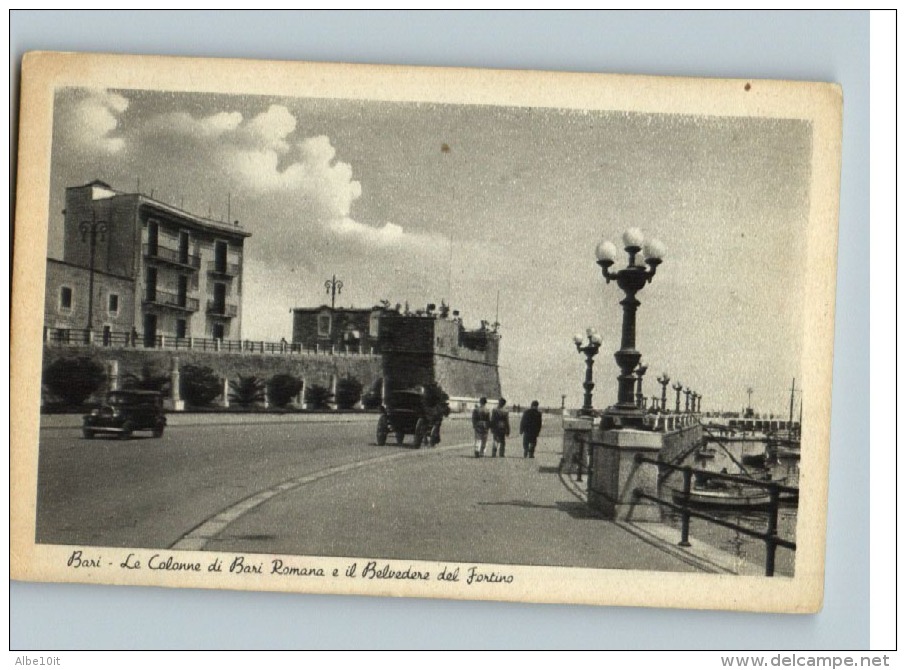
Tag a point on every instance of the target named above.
point(416, 348)
point(157, 271)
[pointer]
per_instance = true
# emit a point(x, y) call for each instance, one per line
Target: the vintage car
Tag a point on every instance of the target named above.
point(407, 413)
point(124, 412)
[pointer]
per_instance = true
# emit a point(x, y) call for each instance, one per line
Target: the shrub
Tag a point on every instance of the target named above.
point(283, 388)
point(247, 391)
point(199, 385)
point(73, 380)
point(349, 392)
point(148, 380)
point(318, 397)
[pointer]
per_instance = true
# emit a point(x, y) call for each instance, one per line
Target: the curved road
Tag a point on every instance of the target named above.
point(326, 489)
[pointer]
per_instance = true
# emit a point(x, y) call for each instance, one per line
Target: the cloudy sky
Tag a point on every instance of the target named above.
point(422, 202)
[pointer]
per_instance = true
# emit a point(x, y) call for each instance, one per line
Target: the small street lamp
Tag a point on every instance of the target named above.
point(698, 403)
point(590, 350)
point(333, 287)
point(678, 388)
point(631, 280)
point(639, 396)
point(687, 393)
point(655, 403)
point(91, 231)
point(663, 380)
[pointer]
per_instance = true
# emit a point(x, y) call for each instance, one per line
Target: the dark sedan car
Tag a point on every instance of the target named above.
point(124, 412)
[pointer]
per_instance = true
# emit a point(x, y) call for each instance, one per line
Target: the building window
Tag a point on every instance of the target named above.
point(113, 303)
point(65, 298)
point(217, 331)
point(324, 325)
point(180, 328)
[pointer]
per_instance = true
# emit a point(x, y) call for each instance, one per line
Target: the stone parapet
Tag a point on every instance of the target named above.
point(615, 474)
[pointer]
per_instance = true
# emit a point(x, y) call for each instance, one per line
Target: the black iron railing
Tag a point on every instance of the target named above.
point(172, 256)
point(775, 493)
point(77, 337)
point(176, 300)
point(225, 269)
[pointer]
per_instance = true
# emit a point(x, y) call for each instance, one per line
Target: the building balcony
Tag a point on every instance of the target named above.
point(222, 309)
point(171, 256)
point(171, 301)
point(223, 269)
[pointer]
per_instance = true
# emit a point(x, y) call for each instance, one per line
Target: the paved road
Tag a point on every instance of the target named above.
point(326, 489)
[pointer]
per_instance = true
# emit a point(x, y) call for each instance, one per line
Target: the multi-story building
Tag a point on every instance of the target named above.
point(137, 267)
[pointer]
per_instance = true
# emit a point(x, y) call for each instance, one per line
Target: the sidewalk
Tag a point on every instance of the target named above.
point(444, 504)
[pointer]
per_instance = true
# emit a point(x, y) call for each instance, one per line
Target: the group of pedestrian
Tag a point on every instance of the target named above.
point(496, 423)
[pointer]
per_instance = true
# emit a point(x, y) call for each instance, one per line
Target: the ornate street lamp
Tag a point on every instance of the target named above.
point(698, 403)
point(678, 388)
point(687, 393)
point(655, 403)
point(590, 350)
point(663, 380)
point(333, 287)
point(91, 231)
point(631, 280)
point(639, 396)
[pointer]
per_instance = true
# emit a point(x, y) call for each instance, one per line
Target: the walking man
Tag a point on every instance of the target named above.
point(500, 428)
point(481, 422)
point(529, 428)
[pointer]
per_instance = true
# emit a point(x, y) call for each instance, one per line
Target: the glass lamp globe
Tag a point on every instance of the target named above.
point(655, 250)
point(595, 338)
point(606, 252)
point(633, 238)
point(577, 338)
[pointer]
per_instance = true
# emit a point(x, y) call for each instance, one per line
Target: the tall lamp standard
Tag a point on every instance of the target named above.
point(687, 393)
point(91, 231)
point(639, 396)
point(663, 380)
point(590, 350)
point(698, 403)
point(678, 388)
point(631, 280)
point(333, 287)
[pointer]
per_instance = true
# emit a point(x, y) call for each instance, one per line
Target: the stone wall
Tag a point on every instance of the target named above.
point(315, 369)
point(462, 378)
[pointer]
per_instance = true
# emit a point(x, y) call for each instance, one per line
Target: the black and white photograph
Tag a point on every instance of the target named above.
point(440, 333)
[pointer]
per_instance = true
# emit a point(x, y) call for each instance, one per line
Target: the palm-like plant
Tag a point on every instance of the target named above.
point(247, 391)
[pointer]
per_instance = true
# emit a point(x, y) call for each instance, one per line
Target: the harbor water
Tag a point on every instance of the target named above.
point(741, 457)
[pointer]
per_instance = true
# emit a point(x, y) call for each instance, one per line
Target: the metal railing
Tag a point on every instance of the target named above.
point(222, 309)
point(167, 299)
point(769, 536)
point(73, 337)
point(172, 256)
point(226, 269)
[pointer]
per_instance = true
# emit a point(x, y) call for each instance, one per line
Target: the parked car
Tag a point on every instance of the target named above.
point(406, 413)
point(124, 412)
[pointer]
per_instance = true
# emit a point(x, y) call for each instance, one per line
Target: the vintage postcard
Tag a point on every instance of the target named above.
point(444, 333)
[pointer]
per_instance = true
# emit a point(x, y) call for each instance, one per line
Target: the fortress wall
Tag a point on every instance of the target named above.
point(462, 378)
point(314, 368)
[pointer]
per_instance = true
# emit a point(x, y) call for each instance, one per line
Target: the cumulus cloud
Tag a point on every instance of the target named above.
point(91, 122)
point(186, 126)
point(289, 180)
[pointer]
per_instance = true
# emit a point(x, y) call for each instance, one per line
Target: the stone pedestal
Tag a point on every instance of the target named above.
point(174, 403)
point(615, 474)
point(113, 375)
point(576, 431)
point(225, 394)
